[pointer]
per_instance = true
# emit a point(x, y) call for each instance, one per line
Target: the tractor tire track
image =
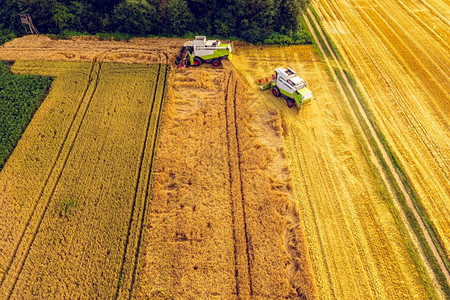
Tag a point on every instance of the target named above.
point(233, 218)
point(430, 31)
point(133, 242)
point(436, 12)
point(242, 247)
point(384, 152)
point(52, 171)
point(421, 132)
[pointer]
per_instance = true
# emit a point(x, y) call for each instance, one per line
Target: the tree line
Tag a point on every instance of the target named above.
point(251, 20)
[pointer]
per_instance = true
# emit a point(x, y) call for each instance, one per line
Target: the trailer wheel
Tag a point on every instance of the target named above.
point(276, 91)
point(216, 63)
point(289, 103)
point(197, 62)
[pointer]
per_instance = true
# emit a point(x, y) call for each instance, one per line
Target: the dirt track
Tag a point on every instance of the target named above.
point(398, 53)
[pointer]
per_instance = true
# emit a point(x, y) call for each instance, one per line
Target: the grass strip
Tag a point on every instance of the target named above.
point(308, 32)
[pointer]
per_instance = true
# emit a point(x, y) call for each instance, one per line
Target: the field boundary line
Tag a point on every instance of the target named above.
point(36, 230)
point(136, 189)
point(149, 178)
point(386, 157)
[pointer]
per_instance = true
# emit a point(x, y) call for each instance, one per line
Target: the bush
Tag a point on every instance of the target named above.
point(6, 36)
point(66, 34)
point(138, 18)
point(297, 38)
point(116, 36)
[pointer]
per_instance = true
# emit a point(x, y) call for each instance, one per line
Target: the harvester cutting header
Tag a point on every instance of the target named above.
point(201, 51)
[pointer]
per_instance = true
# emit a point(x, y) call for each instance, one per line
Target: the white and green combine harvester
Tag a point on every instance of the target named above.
point(286, 83)
point(201, 51)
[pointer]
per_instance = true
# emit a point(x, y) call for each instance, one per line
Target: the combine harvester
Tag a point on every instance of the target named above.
point(201, 51)
point(286, 83)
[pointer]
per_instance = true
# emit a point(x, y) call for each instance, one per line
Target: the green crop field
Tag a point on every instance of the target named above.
point(20, 97)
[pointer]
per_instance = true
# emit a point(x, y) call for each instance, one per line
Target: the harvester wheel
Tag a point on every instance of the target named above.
point(216, 63)
point(276, 91)
point(289, 103)
point(197, 62)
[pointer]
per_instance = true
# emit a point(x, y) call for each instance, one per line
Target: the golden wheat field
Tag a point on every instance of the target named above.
point(139, 180)
point(73, 187)
point(404, 76)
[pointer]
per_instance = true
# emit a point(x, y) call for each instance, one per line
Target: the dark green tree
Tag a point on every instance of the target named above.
point(139, 18)
point(85, 17)
point(61, 16)
point(102, 6)
point(8, 15)
point(204, 12)
point(288, 17)
point(252, 20)
point(179, 18)
point(258, 20)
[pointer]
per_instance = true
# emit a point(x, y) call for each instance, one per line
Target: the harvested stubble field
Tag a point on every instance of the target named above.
point(399, 54)
point(356, 247)
point(137, 50)
point(221, 210)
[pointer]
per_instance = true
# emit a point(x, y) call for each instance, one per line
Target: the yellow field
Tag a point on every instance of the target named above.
point(214, 189)
point(399, 54)
point(356, 248)
point(73, 186)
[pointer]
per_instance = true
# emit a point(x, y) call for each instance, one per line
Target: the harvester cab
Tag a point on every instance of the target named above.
point(201, 50)
point(286, 83)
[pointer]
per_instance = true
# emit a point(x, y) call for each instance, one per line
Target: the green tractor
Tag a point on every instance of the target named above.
point(287, 84)
point(201, 51)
